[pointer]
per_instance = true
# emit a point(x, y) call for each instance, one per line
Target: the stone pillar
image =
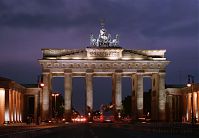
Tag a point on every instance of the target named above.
point(41, 103)
point(170, 102)
point(22, 107)
point(89, 92)
point(158, 102)
point(162, 98)
point(117, 93)
point(17, 108)
point(68, 94)
point(195, 107)
point(134, 97)
point(184, 110)
point(197, 112)
point(137, 96)
point(46, 97)
point(189, 107)
point(2, 105)
point(175, 109)
point(7, 116)
point(113, 90)
point(36, 107)
point(14, 101)
point(10, 106)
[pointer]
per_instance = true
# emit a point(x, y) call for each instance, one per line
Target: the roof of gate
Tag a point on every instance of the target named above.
point(103, 53)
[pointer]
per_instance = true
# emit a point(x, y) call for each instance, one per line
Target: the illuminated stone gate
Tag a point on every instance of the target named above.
point(105, 58)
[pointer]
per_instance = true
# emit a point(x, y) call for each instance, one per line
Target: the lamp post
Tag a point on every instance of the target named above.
point(190, 84)
point(55, 96)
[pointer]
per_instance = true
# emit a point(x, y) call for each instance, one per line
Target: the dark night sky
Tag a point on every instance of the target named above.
point(28, 26)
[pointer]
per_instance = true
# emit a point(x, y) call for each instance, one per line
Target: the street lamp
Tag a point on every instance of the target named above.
point(55, 96)
point(190, 83)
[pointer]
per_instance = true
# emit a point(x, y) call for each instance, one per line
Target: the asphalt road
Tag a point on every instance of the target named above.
point(107, 130)
point(94, 130)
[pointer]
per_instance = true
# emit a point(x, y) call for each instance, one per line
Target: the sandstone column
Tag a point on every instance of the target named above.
point(189, 107)
point(10, 106)
point(134, 97)
point(158, 102)
point(89, 92)
point(197, 113)
point(36, 108)
point(162, 97)
point(68, 94)
point(170, 106)
point(17, 103)
point(20, 113)
point(117, 93)
point(41, 102)
point(137, 96)
point(46, 96)
point(7, 116)
point(14, 100)
point(113, 90)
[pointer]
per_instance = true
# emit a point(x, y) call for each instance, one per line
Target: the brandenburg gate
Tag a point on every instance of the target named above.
point(105, 58)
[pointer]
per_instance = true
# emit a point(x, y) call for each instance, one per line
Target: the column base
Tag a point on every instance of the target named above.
point(6, 122)
point(68, 115)
point(117, 115)
point(134, 118)
point(89, 114)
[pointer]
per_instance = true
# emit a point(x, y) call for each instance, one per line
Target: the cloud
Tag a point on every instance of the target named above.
point(152, 18)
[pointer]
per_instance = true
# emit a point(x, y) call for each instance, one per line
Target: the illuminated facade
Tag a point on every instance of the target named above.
point(11, 101)
point(179, 103)
point(105, 58)
point(15, 103)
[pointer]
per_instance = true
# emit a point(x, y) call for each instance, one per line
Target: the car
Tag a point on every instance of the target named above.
point(79, 119)
point(107, 116)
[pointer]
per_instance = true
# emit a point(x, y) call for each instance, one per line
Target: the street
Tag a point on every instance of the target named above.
point(94, 130)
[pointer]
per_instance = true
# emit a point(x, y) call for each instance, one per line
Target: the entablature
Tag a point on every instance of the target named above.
point(102, 64)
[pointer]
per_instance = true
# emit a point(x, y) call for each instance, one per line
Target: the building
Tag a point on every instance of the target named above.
point(106, 58)
point(181, 102)
point(17, 102)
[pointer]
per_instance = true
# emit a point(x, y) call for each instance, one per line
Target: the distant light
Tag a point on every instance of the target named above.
point(189, 85)
point(55, 94)
point(42, 84)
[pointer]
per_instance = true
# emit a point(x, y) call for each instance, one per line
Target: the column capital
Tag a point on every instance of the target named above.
point(67, 71)
point(45, 73)
point(118, 71)
point(140, 71)
point(89, 71)
point(162, 71)
point(45, 70)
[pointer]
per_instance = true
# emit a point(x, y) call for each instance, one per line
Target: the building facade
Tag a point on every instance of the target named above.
point(15, 102)
point(11, 101)
point(105, 58)
point(182, 103)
